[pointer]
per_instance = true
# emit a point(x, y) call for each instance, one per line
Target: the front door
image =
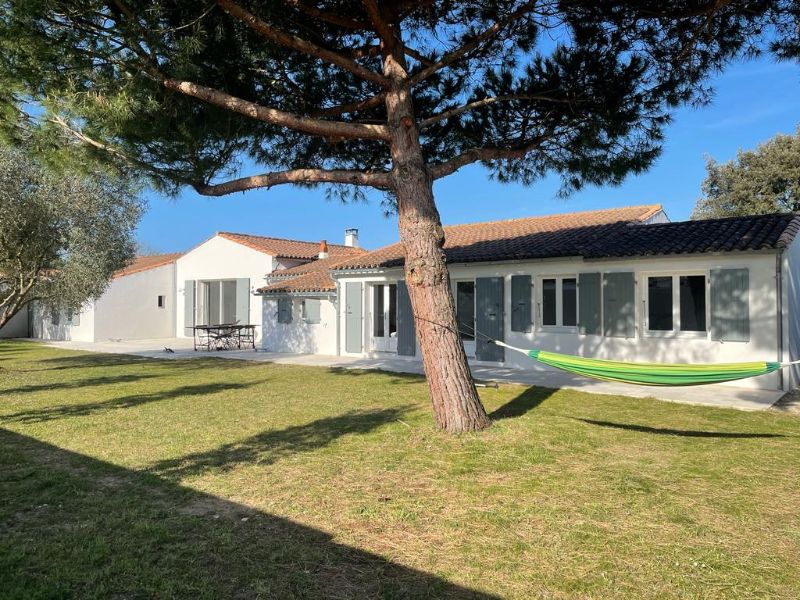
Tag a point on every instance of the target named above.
point(384, 317)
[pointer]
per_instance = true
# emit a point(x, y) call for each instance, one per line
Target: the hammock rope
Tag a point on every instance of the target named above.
point(645, 373)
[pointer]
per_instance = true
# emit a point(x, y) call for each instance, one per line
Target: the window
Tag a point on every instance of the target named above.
point(378, 317)
point(465, 309)
point(676, 303)
point(162, 301)
point(284, 310)
point(558, 305)
point(310, 311)
point(216, 303)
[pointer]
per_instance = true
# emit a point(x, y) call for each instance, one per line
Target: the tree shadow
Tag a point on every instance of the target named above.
point(81, 410)
point(87, 360)
point(526, 401)
point(679, 432)
point(397, 377)
point(81, 383)
point(78, 527)
point(270, 446)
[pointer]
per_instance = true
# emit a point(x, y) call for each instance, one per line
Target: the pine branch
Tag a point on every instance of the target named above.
point(482, 154)
point(472, 44)
point(449, 114)
point(376, 179)
point(331, 129)
point(299, 44)
point(333, 19)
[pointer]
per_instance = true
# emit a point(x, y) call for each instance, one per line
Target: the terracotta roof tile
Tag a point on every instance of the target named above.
point(145, 263)
point(283, 248)
point(309, 277)
point(530, 237)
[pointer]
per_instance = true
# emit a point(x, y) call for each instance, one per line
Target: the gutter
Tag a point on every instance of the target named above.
point(779, 310)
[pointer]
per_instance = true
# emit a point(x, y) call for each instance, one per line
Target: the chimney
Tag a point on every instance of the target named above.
point(351, 238)
point(323, 249)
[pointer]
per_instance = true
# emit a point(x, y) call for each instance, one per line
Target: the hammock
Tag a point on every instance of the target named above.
point(650, 373)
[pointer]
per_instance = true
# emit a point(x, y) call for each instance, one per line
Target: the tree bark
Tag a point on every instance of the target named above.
point(456, 405)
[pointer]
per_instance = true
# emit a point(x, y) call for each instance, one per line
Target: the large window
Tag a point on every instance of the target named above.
point(676, 303)
point(558, 303)
point(216, 302)
point(465, 309)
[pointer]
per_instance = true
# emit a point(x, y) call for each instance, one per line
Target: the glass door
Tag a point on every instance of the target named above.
point(384, 317)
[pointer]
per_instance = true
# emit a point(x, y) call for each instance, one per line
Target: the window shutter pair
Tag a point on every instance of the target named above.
point(284, 310)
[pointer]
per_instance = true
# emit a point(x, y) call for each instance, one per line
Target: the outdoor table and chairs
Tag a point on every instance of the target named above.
point(225, 336)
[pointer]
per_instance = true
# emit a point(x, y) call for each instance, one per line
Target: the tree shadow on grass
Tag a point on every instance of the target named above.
point(78, 527)
point(88, 360)
point(679, 432)
point(397, 377)
point(526, 401)
point(81, 383)
point(81, 410)
point(270, 446)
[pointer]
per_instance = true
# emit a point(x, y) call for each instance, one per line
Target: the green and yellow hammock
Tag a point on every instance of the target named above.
point(641, 373)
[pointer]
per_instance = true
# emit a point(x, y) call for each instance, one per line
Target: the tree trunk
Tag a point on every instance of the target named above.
point(456, 405)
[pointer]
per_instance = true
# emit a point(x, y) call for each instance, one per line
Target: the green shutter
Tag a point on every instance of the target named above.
point(589, 298)
point(243, 301)
point(730, 305)
point(521, 303)
point(284, 310)
point(311, 308)
point(489, 318)
point(619, 305)
point(188, 306)
point(353, 323)
point(406, 330)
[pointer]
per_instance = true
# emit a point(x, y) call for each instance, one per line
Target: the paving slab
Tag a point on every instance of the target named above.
point(724, 396)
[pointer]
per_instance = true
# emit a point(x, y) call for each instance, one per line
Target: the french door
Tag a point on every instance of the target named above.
point(384, 317)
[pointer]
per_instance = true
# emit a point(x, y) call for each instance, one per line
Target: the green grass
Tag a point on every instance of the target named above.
point(132, 478)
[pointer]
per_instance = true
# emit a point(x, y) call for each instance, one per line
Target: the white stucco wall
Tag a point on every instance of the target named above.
point(44, 328)
point(297, 336)
point(220, 258)
point(17, 327)
point(129, 307)
point(642, 347)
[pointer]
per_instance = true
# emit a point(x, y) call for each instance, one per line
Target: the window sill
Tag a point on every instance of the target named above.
point(558, 329)
point(677, 335)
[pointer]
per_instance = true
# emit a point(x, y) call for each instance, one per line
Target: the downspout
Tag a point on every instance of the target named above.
point(779, 307)
point(338, 303)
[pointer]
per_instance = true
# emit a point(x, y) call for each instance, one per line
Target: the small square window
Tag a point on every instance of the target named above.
point(162, 301)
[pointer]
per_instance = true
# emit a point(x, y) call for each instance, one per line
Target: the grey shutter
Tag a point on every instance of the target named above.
point(619, 305)
point(76, 318)
point(489, 318)
point(589, 303)
point(284, 310)
point(243, 301)
point(521, 303)
point(353, 326)
point(730, 305)
point(188, 306)
point(406, 329)
point(312, 311)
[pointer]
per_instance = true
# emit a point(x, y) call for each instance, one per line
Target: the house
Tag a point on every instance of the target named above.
point(139, 303)
point(624, 284)
point(217, 279)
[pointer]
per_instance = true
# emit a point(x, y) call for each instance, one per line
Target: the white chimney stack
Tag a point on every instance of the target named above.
point(351, 238)
point(323, 249)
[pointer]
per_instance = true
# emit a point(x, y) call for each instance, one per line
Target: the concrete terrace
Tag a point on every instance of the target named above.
point(725, 396)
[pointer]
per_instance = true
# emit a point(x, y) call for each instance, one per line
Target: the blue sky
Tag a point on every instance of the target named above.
point(753, 101)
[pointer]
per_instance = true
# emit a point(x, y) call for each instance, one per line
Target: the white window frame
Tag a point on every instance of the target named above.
point(559, 327)
point(201, 306)
point(676, 331)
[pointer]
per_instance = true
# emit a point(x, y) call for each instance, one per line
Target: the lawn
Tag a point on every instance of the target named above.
point(131, 478)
